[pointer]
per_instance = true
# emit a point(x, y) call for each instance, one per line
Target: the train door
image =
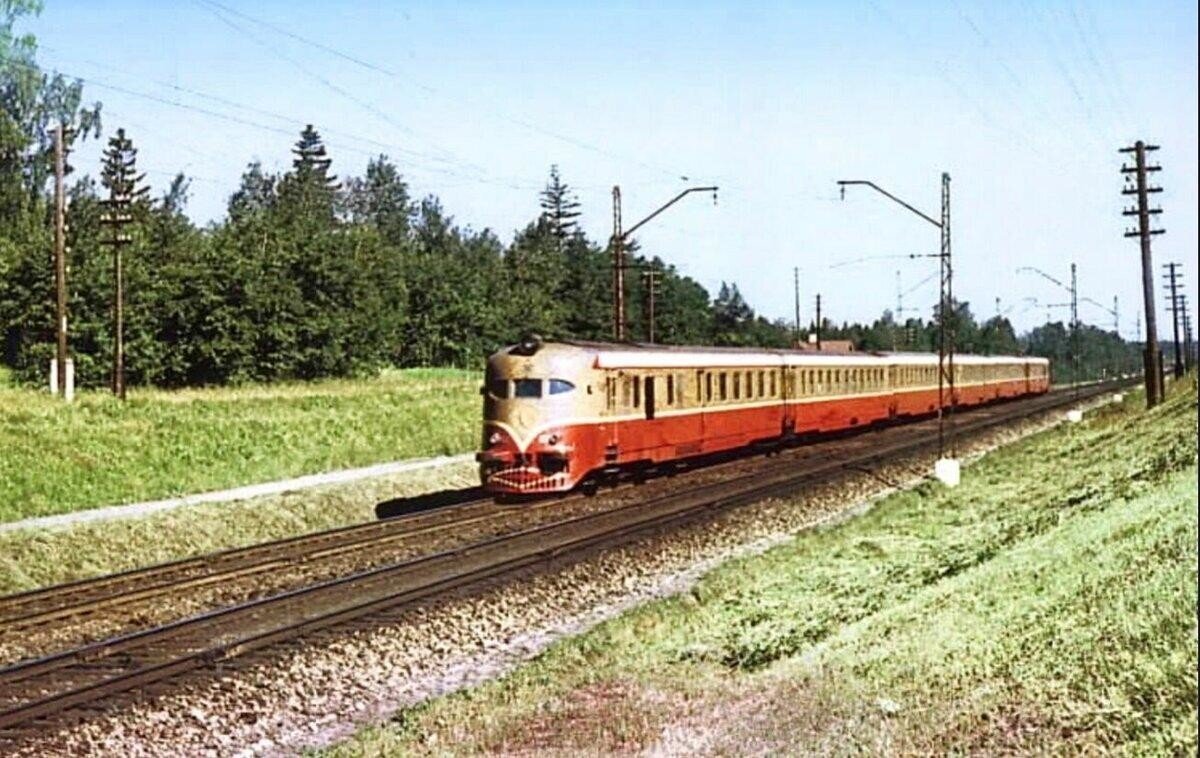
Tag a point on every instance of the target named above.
point(787, 392)
point(648, 397)
point(1028, 388)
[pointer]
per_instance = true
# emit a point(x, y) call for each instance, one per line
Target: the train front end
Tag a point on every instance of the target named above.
point(537, 401)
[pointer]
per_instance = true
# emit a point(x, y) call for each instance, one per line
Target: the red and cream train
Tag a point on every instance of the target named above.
point(556, 414)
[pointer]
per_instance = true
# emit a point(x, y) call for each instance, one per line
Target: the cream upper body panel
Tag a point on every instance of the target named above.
point(557, 382)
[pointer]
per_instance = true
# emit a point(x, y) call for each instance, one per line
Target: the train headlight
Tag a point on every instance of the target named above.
point(494, 438)
point(549, 439)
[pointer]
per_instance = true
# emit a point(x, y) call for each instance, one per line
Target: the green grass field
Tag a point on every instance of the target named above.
point(56, 458)
point(1046, 605)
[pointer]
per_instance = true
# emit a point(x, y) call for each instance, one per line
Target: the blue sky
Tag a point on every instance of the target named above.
point(1023, 103)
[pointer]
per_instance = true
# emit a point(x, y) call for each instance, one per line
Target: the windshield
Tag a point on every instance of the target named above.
point(527, 387)
point(503, 389)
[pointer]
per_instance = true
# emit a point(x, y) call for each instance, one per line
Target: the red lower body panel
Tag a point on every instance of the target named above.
point(585, 449)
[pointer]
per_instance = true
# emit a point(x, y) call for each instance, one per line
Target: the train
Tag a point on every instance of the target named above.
point(558, 415)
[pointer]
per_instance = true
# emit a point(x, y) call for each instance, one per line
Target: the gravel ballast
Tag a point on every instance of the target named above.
point(318, 691)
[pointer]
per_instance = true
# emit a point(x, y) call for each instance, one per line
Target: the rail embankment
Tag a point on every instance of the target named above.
point(58, 458)
point(1046, 605)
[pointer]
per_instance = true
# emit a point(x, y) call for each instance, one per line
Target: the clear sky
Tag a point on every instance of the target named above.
point(1023, 103)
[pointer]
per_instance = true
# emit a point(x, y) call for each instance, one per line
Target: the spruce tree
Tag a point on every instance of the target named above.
point(560, 208)
point(309, 188)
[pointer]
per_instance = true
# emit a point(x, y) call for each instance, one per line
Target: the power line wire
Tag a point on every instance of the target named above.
point(523, 123)
point(93, 81)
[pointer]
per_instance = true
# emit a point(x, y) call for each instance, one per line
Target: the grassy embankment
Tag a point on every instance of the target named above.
point(56, 458)
point(1048, 604)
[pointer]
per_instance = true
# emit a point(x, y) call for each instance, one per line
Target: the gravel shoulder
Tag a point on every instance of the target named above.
point(320, 691)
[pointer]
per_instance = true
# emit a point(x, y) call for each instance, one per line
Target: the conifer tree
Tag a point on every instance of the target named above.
point(560, 207)
point(309, 188)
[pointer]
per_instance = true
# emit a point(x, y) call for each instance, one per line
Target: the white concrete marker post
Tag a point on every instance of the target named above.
point(69, 395)
point(1118, 398)
point(947, 471)
point(1074, 415)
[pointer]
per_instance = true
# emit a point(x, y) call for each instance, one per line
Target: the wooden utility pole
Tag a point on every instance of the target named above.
point(1151, 360)
point(121, 178)
point(796, 290)
point(60, 255)
point(1172, 286)
point(1189, 356)
point(818, 321)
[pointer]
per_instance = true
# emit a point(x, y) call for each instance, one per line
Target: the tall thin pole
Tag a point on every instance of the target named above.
point(1189, 357)
point(945, 325)
point(1172, 284)
point(618, 263)
point(651, 277)
point(60, 256)
point(796, 289)
point(618, 250)
point(1143, 211)
point(1075, 332)
point(946, 333)
point(818, 321)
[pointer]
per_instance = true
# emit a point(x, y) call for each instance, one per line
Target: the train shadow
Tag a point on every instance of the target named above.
point(403, 506)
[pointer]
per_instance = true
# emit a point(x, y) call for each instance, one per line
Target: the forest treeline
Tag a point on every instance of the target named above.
point(313, 274)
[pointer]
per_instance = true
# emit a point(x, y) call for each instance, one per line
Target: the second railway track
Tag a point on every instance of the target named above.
point(49, 687)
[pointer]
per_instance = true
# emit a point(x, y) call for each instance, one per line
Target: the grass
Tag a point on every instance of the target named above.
point(1046, 605)
point(56, 458)
point(36, 558)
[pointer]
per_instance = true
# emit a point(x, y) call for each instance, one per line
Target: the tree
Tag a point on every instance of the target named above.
point(381, 199)
point(732, 317)
point(32, 103)
point(560, 208)
point(309, 190)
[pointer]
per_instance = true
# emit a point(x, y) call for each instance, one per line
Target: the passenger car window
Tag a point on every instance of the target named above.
point(527, 387)
point(560, 386)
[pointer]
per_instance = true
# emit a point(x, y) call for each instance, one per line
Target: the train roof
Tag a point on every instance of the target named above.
point(642, 355)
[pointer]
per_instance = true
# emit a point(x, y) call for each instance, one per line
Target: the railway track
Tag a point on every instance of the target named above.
point(36, 691)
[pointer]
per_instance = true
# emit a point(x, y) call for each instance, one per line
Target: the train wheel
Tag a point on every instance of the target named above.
point(590, 486)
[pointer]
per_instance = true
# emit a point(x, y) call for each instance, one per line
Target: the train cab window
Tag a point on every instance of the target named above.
point(699, 387)
point(772, 381)
point(560, 386)
point(498, 388)
point(670, 389)
point(737, 384)
point(761, 385)
point(610, 391)
point(626, 392)
point(708, 388)
point(722, 386)
point(637, 393)
point(527, 388)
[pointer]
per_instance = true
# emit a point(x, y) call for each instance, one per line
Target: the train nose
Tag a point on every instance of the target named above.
point(542, 466)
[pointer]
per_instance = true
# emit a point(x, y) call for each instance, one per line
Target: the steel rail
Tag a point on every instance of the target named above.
point(113, 666)
point(79, 596)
